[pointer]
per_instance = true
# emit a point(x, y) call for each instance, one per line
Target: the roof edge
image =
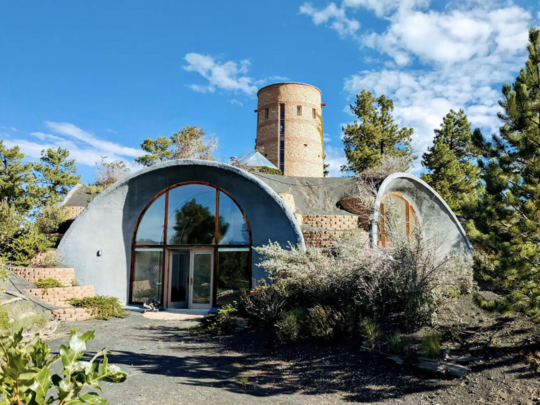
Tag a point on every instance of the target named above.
point(283, 83)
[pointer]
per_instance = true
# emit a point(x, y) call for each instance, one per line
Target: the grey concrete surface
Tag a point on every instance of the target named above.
point(108, 222)
point(438, 223)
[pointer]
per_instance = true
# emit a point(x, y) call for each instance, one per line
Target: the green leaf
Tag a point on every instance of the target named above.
point(41, 385)
point(93, 398)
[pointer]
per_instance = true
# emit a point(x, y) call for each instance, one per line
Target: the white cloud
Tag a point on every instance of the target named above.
point(384, 7)
point(83, 146)
point(226, 76)
point(9, 128)
point(335, 157)
point(461, 56)
point(335, 16)
point(67, 129)
point(237, 102)
point(279, 78)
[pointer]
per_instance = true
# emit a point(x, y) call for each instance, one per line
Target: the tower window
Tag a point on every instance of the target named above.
point(282, 137)
point(266, 114)
point(298, 110)
point(314, 111)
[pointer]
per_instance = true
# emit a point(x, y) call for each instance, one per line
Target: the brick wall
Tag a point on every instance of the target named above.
point(323, 239)
point(33, 274)
point(332, 222)
point(59, 296)
point(303, 144)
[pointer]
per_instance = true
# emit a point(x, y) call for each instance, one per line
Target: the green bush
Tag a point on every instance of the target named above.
point(49, 219)
point(4, 318)
point(371, 330)
point(26, 372)
point(223, 321)
point(395, 343)
point(269, 170)
point(264, 305)
point(21, 250)
point(102, 306)
point(431, 344)
point(47, 283)
point(288, 328)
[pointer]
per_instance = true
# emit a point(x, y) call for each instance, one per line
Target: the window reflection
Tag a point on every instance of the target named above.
point(234, 230)
point(147, 277)
point(233, 275)
point(192, 215)
point(150, 231)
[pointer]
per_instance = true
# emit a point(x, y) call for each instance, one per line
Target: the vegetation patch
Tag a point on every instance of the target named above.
point(102, 306)
point(47, 283)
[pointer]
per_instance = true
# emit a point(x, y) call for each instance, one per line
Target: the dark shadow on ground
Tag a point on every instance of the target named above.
point(222, 361)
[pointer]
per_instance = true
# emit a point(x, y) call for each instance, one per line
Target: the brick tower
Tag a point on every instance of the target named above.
point(289, 128)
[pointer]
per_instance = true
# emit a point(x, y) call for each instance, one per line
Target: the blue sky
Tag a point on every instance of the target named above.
point(98, 77)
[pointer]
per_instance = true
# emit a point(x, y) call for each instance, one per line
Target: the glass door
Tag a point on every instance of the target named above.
point(179, 279)
point(201, 279)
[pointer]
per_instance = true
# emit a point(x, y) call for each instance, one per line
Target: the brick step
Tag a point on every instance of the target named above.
point(72, 314)
point(332, 222)
point(65, 275)
point(59, 296)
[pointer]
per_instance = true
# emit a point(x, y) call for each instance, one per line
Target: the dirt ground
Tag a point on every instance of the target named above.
point(167, 365)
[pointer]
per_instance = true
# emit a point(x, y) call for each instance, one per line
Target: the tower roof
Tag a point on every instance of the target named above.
point(280, 84)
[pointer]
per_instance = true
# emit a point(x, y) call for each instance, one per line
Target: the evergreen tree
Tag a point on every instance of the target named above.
point(506, 228)
point(452, 172)
point(55, 176)
point(15, 177)
point(187, 143)
point(375, 135)
point(157, 151)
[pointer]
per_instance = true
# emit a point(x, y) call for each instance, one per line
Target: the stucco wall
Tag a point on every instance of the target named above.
point(438, 222)
point(108, 223)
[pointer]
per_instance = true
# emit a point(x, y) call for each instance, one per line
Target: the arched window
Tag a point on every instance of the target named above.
point(397, 219)
point(191, 249)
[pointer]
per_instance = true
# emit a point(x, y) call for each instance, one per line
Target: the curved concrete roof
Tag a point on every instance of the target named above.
point(436, 217)
point(108, 222)
point(280, 84)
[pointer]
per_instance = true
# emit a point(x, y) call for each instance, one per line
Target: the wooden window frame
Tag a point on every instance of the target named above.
point(409, 210)
point(166, 247)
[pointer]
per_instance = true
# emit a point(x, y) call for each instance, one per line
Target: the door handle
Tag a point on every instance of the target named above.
point(191, 281)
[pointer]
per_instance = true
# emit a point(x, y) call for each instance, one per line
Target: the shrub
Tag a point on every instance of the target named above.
point(50, 218)
point(371, 330)
point(223, 321)
point(11, 221)
point(268, 170)
point(27, 378)
point(395, 343)
point(264, 305)
point(288, 328)
point(47, 283)
point(4, 318)
point(326, 323)
point(395, 281)
point(102, 306)
point(21, 250)
point(431, 344)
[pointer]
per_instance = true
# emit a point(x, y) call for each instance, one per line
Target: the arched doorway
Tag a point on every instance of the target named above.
point(397, 218)
point(191, 249)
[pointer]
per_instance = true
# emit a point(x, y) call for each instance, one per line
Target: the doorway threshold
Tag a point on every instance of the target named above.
point(189, 311)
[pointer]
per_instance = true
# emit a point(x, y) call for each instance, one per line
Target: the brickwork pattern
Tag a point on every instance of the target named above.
point(59, 296)
point(303, 144)
point(332, 222)
point(73, 314)
point(323, 239)
point(34, 274)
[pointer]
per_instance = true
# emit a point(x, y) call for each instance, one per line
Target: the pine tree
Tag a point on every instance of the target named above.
point(450, 161)
point(506, 228)
point(55, 175)
point(187, 143)
point(375, 135)
point(157, 151)
point(14, 178)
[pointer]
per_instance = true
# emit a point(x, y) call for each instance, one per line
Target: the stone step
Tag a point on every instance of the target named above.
point(59, 296)
point(72, 314)
point(65, 275)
